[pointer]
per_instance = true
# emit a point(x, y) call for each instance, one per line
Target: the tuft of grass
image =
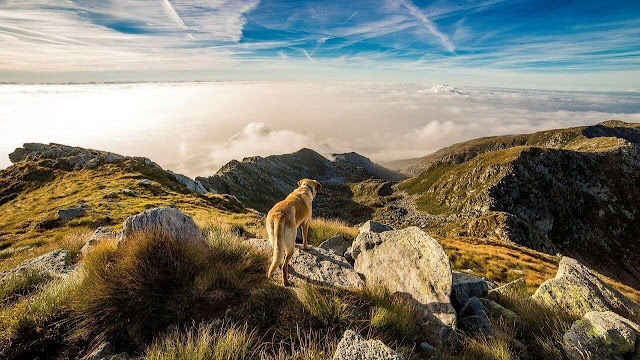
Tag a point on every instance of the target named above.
point(392, 317)
point(322, 229)
point(36, 310)
point(205, 341)
point(153, 281)
point(327, 307)
point(14, 286)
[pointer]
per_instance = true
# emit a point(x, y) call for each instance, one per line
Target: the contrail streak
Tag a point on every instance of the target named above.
point(331, 37)
point(172, 13)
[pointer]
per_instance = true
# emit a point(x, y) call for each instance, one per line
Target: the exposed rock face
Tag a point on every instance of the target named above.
point(601, 336)
point(466, 286)
point(55, 263)
point(74, 157)
point(99, 234)
point(191, 184)
point(570, 191)
point(337, 245)
point(474, 307)
point(354, 347)
point(498, 311)
point(373, 226)
point(167, 221)
point(475, 325)
point(577, 290)
point(316, 266)
point(408, 261)
point(259, 182)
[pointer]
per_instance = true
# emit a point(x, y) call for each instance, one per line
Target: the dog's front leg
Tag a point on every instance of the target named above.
point(305, 234)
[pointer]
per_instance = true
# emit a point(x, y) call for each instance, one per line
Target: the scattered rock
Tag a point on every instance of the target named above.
point(577, 290)
point(111, 195)
point(129, 192)
point(105, 351)
point(428, 350)
point(474, 307)
point(165, 220)
point(100, 233)
point(465, 286)
point(384, 189)
point(517, 286)
point(337, 244)
point(475, 325)
point(600, 336)
point(409, 261)
point(354, 347)
point(48, 224)
point(144, 182)
point(376, 227)
point(71, 213)
point(55, 263)
point(498, 311)
point(317, 266)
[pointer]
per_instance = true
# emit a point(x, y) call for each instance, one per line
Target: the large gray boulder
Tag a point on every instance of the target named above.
point(578, 290)
point(354, 347)
point(99, 234)
point(167, 221)
point(55, 263)
point(316, 266)
point(601, 336)
point(410, 262)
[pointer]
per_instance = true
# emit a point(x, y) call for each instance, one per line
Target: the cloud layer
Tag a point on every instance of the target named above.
point(197, 127)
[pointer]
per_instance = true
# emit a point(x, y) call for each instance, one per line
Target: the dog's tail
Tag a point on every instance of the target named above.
point(277, 244)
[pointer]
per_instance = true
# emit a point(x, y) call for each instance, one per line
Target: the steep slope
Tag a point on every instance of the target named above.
point(580, 200)
point(558, 138)
point(260, 182)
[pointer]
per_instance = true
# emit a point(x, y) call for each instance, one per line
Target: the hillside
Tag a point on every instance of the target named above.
point(570, 138)
point(577, 197)
point(259, 182)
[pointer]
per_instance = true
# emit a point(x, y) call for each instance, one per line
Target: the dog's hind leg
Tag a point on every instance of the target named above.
point(285, 268)
point(305, 234)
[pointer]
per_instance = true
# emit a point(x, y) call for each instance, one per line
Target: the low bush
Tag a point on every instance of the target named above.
point(153, 281)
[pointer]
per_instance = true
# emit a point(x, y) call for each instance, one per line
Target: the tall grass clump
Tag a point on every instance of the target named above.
point(205, 341)
point(328, 309)
point(322, 229)
point(15, 286)
point(153, 281)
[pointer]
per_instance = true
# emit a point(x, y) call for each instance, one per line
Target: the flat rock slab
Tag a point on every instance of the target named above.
point(601, 336)
point(407, 261)
point(354, 347)
point(316, 266)
point(578, 290)
point(55, 263)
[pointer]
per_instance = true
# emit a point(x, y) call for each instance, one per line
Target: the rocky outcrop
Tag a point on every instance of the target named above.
point(409, 261)
point(602, 336)
point(193, 185)
point(99, 234)
point(354, 347)
point(316, 266)
point(72, 212)
point(167, 221)
point(54, 263)
point(578, 290)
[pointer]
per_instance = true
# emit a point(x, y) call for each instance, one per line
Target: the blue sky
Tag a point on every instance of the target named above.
point(591, 45)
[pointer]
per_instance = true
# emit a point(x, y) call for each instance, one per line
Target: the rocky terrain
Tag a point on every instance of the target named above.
point(106, 256)
point(570, 191)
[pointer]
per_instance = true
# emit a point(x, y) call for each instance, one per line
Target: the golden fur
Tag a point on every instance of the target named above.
point(283, 221)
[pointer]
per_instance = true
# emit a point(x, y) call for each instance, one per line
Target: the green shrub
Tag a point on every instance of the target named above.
point(153, 281)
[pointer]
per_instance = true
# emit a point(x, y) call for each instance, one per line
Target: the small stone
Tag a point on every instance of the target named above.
point(354, 347)
point(474, 307)
point(428, 350)
point(144, 182)
point(130, 192)
point(373, 226)
point(475, 325)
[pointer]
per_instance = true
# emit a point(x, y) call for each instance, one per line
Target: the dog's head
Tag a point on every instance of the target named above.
point(313, 185)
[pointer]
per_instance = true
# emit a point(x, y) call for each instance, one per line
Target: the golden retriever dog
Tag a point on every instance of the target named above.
point(283, 221)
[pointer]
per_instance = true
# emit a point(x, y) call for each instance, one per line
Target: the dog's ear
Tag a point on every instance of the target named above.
point(300, 182)
point(318, 186)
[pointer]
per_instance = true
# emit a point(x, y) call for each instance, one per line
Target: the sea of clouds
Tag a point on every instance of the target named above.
point(195, 128)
